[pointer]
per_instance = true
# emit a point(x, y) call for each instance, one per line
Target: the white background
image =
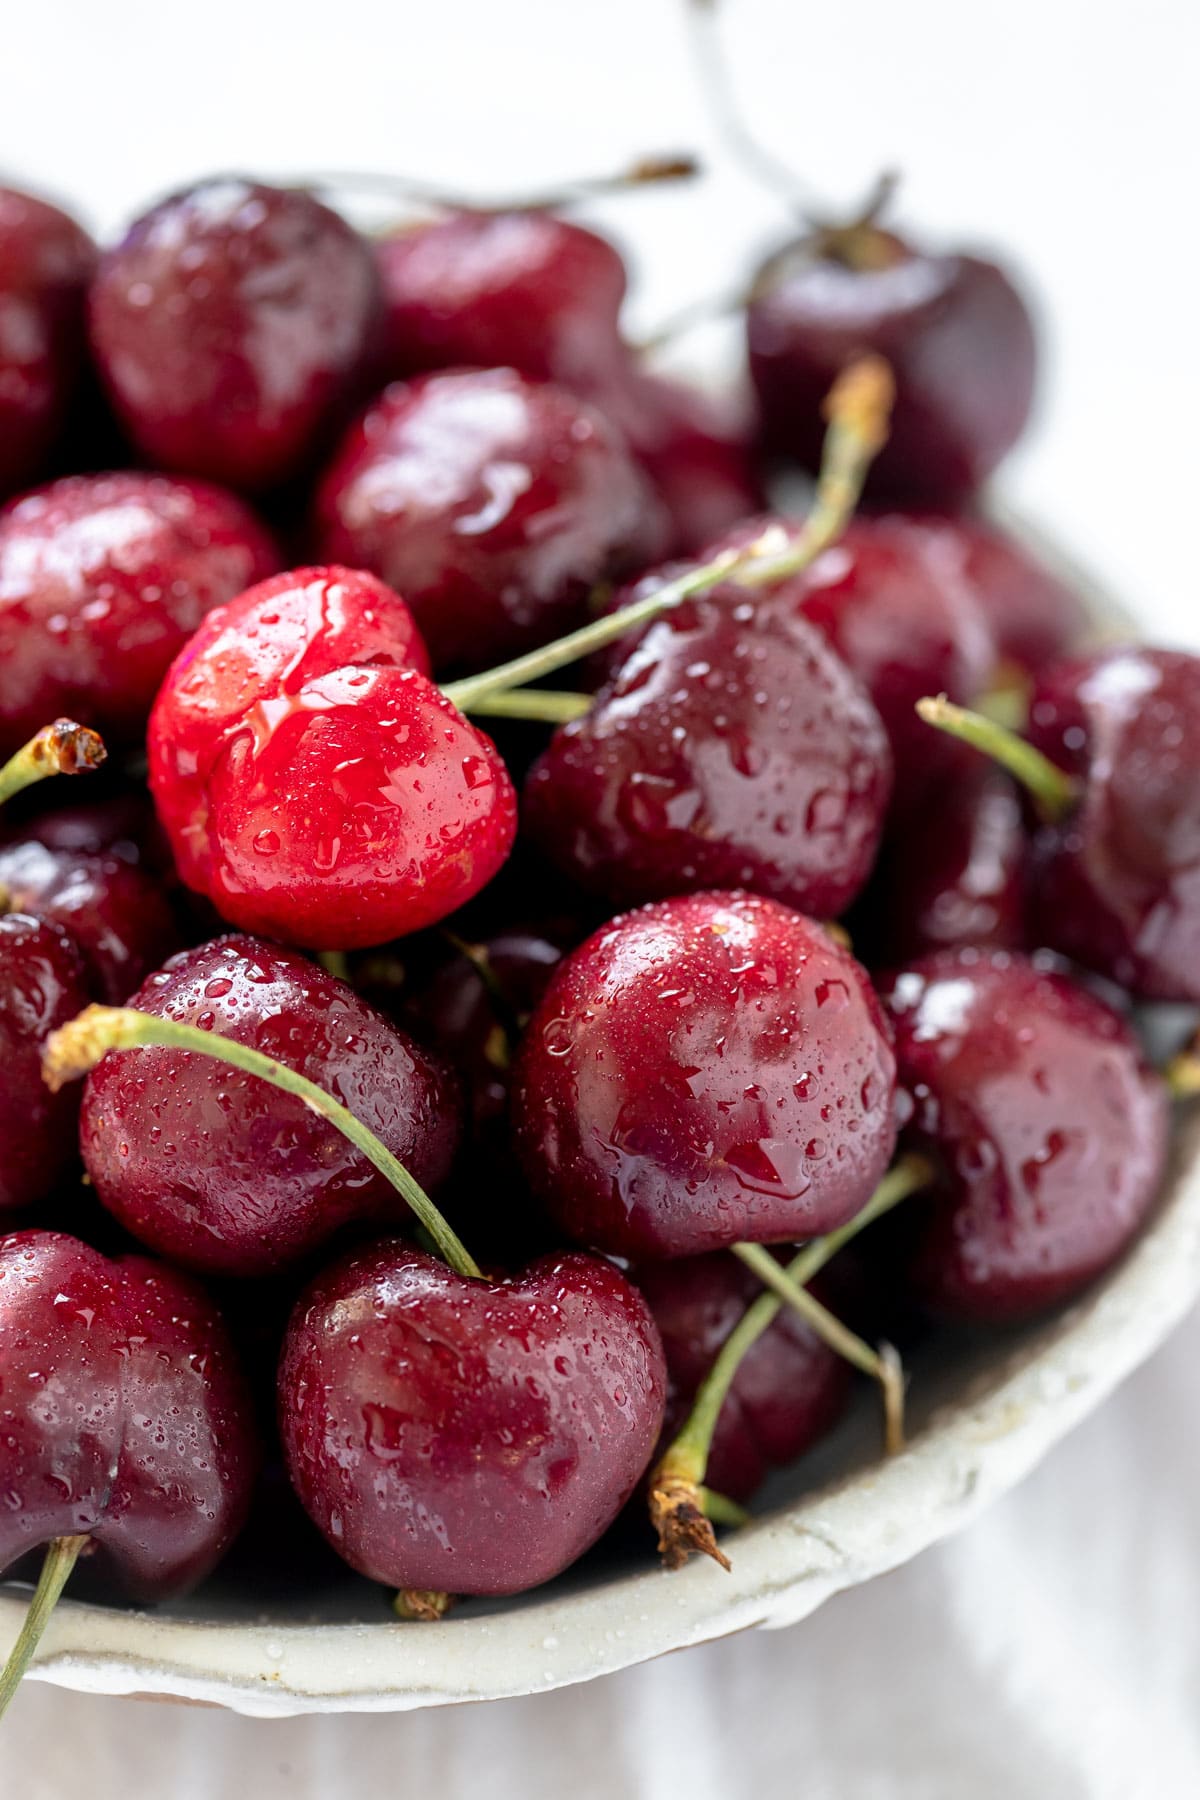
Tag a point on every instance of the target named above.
point(1055, 1649)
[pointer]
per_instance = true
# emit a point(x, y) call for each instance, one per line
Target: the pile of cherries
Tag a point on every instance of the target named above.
point(295, 519)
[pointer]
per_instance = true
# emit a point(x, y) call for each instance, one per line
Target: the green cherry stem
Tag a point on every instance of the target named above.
point(1054, 792)
point(545, 705)
point(647, 171)
point(677, 1506)
point(79, 1045)
point(61, 1556)
point(858, 408)
point(63, 748)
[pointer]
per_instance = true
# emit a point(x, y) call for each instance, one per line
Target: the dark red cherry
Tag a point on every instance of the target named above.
point(398, 810)
point(117, 913)
point(42, 985)
point(726, 752)
point(230, 325)
point(492, 503)
point(103, 578)
point(789, 1389)
point(1035, 615)
point(213, 1168)
point(474, 1437)
point(707, 1070)
point(123, 1415)
point(953, 328)
point(1116, 885)
point(1046, 1125)
point(46, 262)
point(526, 290)
point(116, 819)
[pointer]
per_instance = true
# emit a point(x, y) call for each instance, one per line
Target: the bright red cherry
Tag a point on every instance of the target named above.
point(123, 1415)
point(1116, 884)
point(397, 811)
point(103, 578)
point(469, 1436)
point(526, 290)
point(1046, 1125)
point(42, 985)
point(789, 1389)
point(953, 328)
point(46, 262)
point(230, 325)
point(494, 504)
point(116, 913)
point(704, 1071)
point(213, 1168)
point(727, 751)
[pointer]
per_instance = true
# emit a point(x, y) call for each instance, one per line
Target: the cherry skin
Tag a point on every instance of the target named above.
point(42, 985)
point(398, 810)
point(707, 1070)
point(1116, 885)
point(230, 326)
point(46, 262)
point(215, 1169)
point(1035, 616)
point(123, 1415)
point(953, 328)
point(103, 578)
point(525, 290)
point(494, 504)
point(1048, 1128)
point(474, 1437)
point(726, 752)
point(117, 914)
point(790, 1387)
point(116, 819)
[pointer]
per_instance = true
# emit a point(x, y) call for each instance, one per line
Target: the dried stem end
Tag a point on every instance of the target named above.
point(677, 1515)
point(425, 1605)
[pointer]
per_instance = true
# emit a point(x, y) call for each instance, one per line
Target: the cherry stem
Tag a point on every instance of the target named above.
point(647, 171)
point(1182, 1073)
point(1054, 792)
point(675, 1483)
point(61, 1556)
point(547, 705)
point(80, 1044)
point(335, 963)
point(63, 748)
point(857, 408)
point(721, 1510)
point(424, 1604)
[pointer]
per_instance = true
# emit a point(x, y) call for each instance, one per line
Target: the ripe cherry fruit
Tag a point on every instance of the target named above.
point(42, 985)
point(708, 1070)
point(116, 913)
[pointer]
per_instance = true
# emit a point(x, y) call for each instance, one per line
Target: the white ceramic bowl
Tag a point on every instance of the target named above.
point(984, 1411)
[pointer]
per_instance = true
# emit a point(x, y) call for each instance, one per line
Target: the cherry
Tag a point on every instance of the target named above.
point(710, 1069)
point(311, 686)
point(789, 1389)
point(46, 262)
point(470, 1436)
point(42, 985)
point(212, 1168)
point(116, 913)
point(727, 751)
point(1047, 1127)
point(125, 1426)
point(1035, 616)
point(523, 289)
point(492, 503)
point(230, 326)
point(953, 327)
point(119, 822)
point(103, 578)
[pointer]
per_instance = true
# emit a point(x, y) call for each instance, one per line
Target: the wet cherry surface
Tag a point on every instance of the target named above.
point(494, 504)
point(42, 985)
point(216, 1169)
point(789, 1389)
point(231, 324)
point(123, 1415)
point(726, 752)
point(46, 261)
point(705, 1070)
point(1035, 615)
point(1116, 886)
point(116, 913)
point(953, 328)
point(470, 1436)
point(1047, 1124)
point(315, 786)
point(103, 578)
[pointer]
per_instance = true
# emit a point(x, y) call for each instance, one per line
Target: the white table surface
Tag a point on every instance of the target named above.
point(1054, 1649)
